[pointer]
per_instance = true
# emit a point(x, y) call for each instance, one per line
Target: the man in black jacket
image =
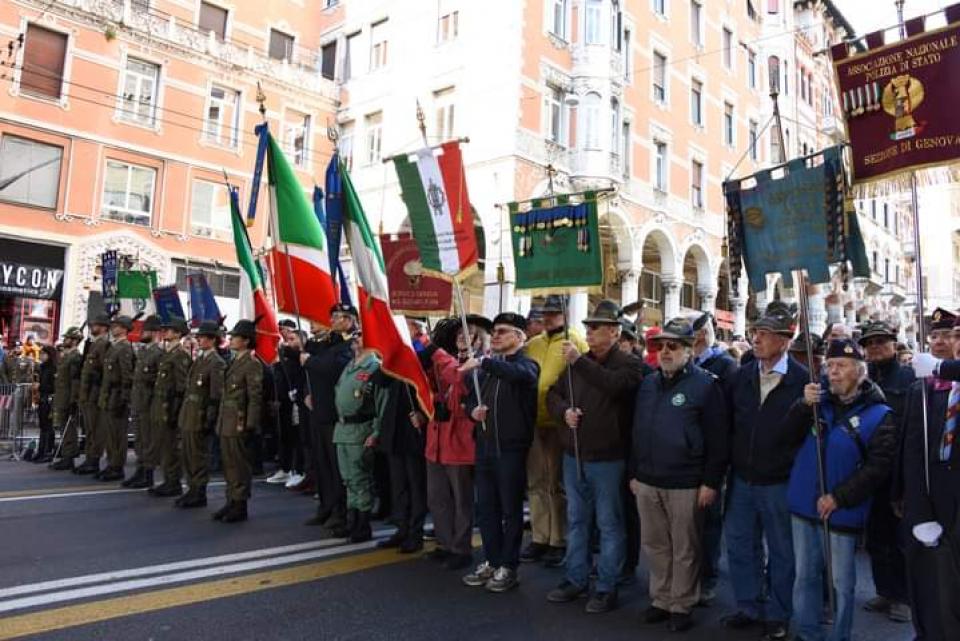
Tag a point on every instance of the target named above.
point(603, 383)
point(290, 381)
point(760, 395)
point(324, 360)
point(679, 460)
point(504, 414)
point(884, 544)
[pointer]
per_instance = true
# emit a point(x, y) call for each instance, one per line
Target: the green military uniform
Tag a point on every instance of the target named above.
point(114, 403)
point(141, 398)
point(240, 414)
point(164, 448)
point(65, 396)
point(359, 407)
point(90, 381)
point(198, 417)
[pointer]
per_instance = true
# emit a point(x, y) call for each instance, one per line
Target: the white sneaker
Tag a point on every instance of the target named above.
point(278, 477)
point(480, 576)
point(294, 480)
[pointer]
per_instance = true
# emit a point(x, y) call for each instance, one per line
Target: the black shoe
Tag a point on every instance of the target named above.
point(411, 545)
point(565, 593)
point(554, 557)
point(136, 478)
point(680, 622)
point(44, 458)
point(533, 552)
point(361, 531)
point(167, 490)
point(218, 515)
point(395, 541)
point(653, 614)
point(439, 554)
point(87, 469)
point(739, 621)
point(320, 518)
point(774, 631)
point(146, 480)
point(182, 498)
point(63, 465)
point(602, 602)
point(236, 513)
point(193, 499)
point(111, 474)
point(458, 561)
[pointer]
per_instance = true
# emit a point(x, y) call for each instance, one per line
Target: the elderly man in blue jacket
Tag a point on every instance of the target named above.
point(859, 441)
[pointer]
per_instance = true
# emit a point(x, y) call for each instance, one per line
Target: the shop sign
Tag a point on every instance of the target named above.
point(29, 281)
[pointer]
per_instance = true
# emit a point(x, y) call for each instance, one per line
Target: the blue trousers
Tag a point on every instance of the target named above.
point(808, 593)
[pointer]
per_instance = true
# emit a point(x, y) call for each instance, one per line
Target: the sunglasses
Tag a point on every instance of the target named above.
point(671, 346)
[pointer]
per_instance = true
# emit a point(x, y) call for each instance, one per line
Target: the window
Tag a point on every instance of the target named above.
point(752, 134)
point(373, 123)
point(696, 184)
point(332, 3)
point(210, 210)
point(660, 168)
point(554, 115)
point(296, 137)
point(29, 172)
point(44, 53)
point(626, 149)
point(886, 216)
point(281, 45)
point(802, 82)
point(558, 18)
point(696, 102)
point(659, 77)
point(213, 18)
point(616, 28)
point(873, 210)
point(751, 70)
point(592, 31)
point(614, 126)
point(776, 153)
point(443, 100)
point(138, 102)
point(449, 27)
point(352, 65)
point(591, 121)
point(728, 126)
point(696, 23)
point(378, 45)
point(876, 262)
point(627, 56)
point(328, 60)
point(660, 7)
point(128, 193)
point(727, 48)
point(222, 125)
point(886, 270)
point(223, 282)
point(346, 144)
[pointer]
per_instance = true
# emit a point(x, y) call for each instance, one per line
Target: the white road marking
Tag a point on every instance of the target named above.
point(62, 495)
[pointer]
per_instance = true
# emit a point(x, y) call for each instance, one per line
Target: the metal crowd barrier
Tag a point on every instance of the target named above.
point(16, 408)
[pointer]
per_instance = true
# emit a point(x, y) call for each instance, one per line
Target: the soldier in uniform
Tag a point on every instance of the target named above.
point(198, 415)
point(360, 403)
point(115, 397)
point(144, 380)
point(65, 396)
point(164, 450)
point(90, 380)
point(240, 414)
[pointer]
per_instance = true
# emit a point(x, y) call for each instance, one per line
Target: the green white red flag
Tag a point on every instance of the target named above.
point(383, 332)
point(253, 299)
point(300, 262)
point(434, 190)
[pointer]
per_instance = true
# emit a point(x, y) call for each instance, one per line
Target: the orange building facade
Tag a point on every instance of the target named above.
point(119, 120)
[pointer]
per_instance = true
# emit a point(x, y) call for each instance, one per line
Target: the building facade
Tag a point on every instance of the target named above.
point(119, 120)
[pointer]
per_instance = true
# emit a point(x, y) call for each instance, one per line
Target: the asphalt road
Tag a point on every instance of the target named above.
point(82, 560)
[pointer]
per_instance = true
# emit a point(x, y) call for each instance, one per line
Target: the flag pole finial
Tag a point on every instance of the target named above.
point(262, 101)
point(422, 122)
point(333, 134)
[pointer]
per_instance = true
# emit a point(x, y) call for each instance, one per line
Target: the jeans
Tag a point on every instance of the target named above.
point(597, 494)
point(501, 482)
point(747, 506)
point(712, 535)
point(808, 593)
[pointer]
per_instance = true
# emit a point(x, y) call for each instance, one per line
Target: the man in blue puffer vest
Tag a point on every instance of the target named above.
point(859, 446)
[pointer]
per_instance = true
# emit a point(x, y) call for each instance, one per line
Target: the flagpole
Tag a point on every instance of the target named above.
point(800, 285)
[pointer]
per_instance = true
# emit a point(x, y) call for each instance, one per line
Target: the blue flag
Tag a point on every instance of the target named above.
point(318, 206)
point(167, 301)
point(109, 267)
point(203, 306)
point(334, 226)
point(261, 131)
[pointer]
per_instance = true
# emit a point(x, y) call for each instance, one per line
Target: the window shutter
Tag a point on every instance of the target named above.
point(328, 65)
point(43, 61)
point(213, 18)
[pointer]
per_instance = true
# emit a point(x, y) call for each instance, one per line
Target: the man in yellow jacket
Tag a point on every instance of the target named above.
point(544, 468)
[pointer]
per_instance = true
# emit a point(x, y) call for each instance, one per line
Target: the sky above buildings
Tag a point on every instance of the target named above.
point(867, 16)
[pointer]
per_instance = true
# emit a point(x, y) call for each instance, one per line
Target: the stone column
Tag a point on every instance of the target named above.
point(671, 304)
point(708, 299)
point(739, 316)
point(818, 310)
point(577, 310)
point(629, 287)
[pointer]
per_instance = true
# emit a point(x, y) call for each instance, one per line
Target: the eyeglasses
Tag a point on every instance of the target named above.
point(671, 346)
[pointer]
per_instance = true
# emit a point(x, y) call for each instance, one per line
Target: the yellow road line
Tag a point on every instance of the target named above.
point(84, 613)
point(60, 490)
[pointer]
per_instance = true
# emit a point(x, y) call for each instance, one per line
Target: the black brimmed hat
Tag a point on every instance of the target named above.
point(480, 321)
point(606, 312)
point(942, 319)
point(100, 319)
point(778, 318)
point(553, 304)
point(123, 321)
point(676, 329)
point(206, 328)
point(245, 328)
point(152, 323)
point(512, 319)
point(799, 344)
point(628, 329)
point(343, 308)
point(844, 348)
point(877, 328)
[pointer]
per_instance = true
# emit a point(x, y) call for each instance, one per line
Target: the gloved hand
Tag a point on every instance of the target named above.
point(924, 364)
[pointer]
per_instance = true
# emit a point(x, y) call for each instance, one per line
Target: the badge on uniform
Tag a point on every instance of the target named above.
point(358, 393)
point(678, 399)
point(855, 421)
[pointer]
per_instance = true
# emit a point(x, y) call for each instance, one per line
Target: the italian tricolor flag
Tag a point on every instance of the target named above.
point(253, 298)
point(300, 263)
point(435, 193)
point(383, 332)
